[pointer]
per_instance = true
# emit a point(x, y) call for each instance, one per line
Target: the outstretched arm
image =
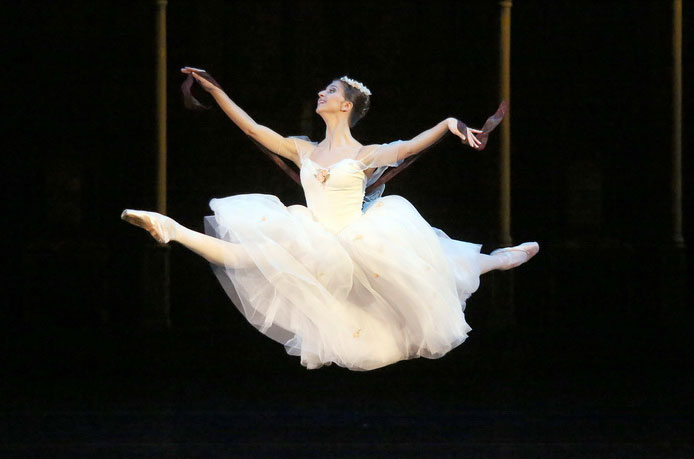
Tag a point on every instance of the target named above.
point(429, 137)
point(265, 136)
point(397, 151)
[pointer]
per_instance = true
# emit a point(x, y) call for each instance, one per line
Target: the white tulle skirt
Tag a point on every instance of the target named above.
point(387, 287)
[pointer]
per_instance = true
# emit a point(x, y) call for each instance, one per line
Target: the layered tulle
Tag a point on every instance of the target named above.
point(383, 288)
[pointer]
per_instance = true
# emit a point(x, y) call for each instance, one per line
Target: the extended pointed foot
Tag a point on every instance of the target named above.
point(158, 225)
point(516, 256)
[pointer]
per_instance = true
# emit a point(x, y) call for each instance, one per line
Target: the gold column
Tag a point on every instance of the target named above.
point(161, 106)
point(156, 263)
point(505, 147)
point(677, 237)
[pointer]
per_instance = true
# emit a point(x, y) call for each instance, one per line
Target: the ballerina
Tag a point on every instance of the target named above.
point(332, 281)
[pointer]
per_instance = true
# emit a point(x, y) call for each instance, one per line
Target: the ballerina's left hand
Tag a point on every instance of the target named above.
point(468, 137)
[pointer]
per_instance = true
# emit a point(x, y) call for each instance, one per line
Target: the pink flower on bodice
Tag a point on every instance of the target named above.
point(323, 175)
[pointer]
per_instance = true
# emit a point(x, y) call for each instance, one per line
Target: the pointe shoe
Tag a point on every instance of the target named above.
point(530, 249)
point(153, 222)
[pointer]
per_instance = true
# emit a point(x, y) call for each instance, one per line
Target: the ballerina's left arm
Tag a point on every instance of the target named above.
point(397, 151)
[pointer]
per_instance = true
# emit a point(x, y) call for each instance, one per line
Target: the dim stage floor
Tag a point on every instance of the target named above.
point(477, 402)
point(594, 360)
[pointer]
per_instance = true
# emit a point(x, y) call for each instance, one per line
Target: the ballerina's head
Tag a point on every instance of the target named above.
point(344, 96)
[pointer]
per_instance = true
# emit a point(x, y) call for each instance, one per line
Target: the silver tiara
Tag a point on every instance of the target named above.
point(356, 84)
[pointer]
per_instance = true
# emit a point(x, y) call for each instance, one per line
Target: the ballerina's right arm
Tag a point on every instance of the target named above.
point(282, 146)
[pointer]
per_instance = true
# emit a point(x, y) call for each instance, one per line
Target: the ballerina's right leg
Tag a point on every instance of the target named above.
point(165, 229)
point(214, 250)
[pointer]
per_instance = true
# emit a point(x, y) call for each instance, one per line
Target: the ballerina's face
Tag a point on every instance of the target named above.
point(332, 99)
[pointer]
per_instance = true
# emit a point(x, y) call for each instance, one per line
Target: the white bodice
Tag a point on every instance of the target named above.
point(334, 194)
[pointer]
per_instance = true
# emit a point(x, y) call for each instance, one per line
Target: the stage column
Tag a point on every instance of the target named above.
point(156, 312)
point(673, 256)
point(500, 320)
point(161, 106)
point(677, 237)
point(505, 145)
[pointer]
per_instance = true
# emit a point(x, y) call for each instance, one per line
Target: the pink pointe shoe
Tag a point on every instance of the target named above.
point(519, 254)
point(153, 222)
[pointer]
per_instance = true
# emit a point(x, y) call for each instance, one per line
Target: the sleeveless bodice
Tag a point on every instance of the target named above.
point(334, 194)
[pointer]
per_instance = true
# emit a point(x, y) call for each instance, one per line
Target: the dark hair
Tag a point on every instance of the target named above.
point(360, 102)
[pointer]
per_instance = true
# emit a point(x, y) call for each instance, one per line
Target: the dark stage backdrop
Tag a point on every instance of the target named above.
point(591, 123)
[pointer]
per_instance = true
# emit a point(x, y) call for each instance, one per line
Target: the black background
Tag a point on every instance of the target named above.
point(585, 350)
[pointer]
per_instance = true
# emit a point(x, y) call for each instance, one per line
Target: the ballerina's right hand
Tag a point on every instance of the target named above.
point(206, 85)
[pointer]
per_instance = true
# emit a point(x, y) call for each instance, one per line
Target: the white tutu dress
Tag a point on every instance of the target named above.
point(336, 284)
